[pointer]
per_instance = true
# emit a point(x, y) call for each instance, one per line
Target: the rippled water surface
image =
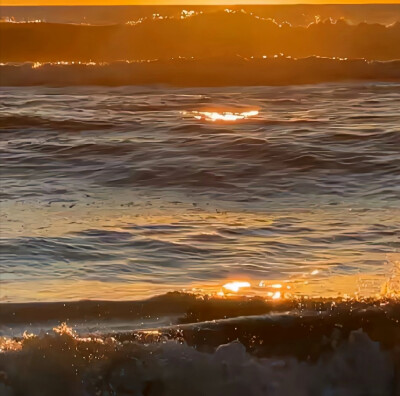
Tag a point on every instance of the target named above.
point(115, 193)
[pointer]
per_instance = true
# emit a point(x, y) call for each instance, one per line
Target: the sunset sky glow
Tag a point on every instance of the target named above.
point(188, 2)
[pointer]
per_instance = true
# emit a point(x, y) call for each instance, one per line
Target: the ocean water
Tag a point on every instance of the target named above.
point(122, 193)
point(296, 14)
point(200, 201)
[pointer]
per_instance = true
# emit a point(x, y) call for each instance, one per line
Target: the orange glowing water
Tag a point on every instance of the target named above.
point(142, 200)
point(225, 116)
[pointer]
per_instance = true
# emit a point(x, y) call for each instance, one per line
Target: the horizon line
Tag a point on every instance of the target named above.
point(397, 2)
point(204, 3)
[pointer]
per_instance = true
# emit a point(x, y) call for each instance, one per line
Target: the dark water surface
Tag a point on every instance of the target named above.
point(115, 193)
point(238, 241)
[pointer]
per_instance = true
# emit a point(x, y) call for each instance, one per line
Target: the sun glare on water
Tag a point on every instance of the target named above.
point(235, 286)
point(229, 116)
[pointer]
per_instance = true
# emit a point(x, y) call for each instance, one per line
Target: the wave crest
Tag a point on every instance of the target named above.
point(203, 72)
point(282, 355)
point(224, 34)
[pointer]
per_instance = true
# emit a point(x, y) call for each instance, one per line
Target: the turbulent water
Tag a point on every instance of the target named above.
point(202, 47)
point(318, 348)
point(129, 192)
point(124, 191)
point(179, 215)
point(207, 46)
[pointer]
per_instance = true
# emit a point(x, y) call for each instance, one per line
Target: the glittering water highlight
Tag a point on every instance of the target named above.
point(123, 193)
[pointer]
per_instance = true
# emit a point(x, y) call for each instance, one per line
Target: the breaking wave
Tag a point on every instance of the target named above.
point(236, 71)
point(240, 347)
point(200, 35)
point(196, 48)
point(295, 14)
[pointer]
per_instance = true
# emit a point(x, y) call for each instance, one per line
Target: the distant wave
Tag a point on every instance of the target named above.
point(295, 14)
point(202, 72)
point(321, 347)
point(199, 35)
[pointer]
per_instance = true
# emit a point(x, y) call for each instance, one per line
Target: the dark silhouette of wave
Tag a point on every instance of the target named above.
point(218, 347)
point(221, 34)
point(202, 72)
point(295, 14)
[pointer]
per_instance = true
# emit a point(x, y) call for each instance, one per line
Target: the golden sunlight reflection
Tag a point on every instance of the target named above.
point(355, 286)
point(235, 286)
point(312, 280)
point(214, 116)
point(345, 287)
point(276, 296)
